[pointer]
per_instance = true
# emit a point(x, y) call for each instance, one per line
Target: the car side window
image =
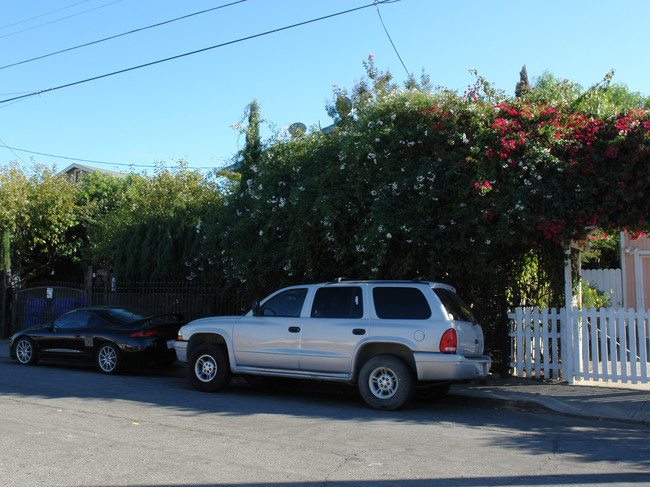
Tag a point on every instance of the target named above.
point(74, 319)
point(400, 303)
point(288, 303)
point(337, 302)
point(94, 321)
point(454, 305)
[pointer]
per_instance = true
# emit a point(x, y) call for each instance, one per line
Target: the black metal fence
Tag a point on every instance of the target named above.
point(40, 303)
point(171, 297)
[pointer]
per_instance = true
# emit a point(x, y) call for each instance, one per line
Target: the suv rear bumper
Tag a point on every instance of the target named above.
point(442, 366)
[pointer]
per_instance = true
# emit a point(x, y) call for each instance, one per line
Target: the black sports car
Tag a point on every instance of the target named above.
point(110, 336)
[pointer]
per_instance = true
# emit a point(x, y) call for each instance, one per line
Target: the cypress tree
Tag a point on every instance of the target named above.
point(252, 151)
point(523, 86)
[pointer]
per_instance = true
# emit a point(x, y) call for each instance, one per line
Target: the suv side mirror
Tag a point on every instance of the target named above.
point(257, 309)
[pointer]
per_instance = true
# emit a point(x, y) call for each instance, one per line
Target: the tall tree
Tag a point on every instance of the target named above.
point(252, 151)
point(523, 86)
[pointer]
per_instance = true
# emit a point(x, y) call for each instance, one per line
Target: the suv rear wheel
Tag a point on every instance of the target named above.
point(385, 382)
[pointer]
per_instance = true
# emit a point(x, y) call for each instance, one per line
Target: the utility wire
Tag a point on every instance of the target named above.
point(41, 15)
point(58, 20)
point(121, 35)
point(391, 40)
point(13, 149)
point(242, 39)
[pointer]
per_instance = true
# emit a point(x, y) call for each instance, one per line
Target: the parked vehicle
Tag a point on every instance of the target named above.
point(385, 336)
point(111, 337)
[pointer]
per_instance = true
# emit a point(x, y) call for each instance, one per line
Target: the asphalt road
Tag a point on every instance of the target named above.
point(65, 426)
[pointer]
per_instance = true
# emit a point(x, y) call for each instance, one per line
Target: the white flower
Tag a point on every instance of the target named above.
point(388, 235)
point(261, 232)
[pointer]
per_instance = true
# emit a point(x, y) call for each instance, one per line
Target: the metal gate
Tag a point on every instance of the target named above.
point(42, 303)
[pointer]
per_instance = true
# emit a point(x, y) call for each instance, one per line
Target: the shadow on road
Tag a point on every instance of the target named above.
point(167, 387)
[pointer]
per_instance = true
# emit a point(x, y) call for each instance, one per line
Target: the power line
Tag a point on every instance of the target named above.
point(58, 20)
point(90, 161)
point(122, 35)
point(391, 40)
point(172, 58)
point(12, 150)
point(42, 15)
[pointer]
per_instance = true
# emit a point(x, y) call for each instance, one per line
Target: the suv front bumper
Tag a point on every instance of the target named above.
point(444, 367)
point(180, 347)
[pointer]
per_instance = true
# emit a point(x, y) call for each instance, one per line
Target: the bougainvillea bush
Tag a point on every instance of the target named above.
point(470, 190)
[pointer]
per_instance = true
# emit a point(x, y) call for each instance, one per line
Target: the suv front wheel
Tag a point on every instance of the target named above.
point(209, 368)
point(385, 382)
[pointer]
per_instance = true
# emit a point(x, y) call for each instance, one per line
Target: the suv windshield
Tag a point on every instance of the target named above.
point(455, 307)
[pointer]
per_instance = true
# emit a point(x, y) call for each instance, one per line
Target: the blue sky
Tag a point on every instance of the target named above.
point(185, 109)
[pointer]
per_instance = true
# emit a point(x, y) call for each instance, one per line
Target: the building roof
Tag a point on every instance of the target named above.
point(79, 169)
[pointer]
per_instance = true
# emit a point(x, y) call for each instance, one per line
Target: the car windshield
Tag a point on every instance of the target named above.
point(456, 307)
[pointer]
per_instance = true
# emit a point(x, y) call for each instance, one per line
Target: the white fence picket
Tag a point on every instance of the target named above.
point(597, 345)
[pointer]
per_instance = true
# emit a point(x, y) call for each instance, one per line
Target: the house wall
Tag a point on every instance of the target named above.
point(635, 263)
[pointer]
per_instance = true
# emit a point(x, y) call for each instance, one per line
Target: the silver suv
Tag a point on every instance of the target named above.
point(385, 336)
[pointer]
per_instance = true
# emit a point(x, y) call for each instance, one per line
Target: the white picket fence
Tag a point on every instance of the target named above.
point(604, 345)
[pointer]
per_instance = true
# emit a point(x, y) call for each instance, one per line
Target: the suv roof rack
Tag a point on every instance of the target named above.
point(341, 279)
point(421, 279)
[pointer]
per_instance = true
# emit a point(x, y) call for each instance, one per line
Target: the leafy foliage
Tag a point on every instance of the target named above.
point(43, 219)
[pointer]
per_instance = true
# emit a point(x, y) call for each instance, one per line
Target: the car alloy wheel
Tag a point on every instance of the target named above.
point(108, 359)
point(383, 383)
point(209, 368)
point(24, 350)
point(205, 368)
point(386, 382)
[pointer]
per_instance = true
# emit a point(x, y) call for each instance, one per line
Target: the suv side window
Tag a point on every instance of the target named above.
point(400, 303)
point(455, 307)
point(338, 302)
point(288, 304)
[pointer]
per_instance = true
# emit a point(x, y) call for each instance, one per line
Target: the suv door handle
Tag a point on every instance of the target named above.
point(358, 331)
point(294, 329)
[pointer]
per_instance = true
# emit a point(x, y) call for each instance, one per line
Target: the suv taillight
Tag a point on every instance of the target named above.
point(449, 341)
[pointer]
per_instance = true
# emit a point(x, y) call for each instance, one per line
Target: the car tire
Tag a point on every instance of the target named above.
point(385, 382)
point(209, 369)
point(25, 352)
point(108, 359)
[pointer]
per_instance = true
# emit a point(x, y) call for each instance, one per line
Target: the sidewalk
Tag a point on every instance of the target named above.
point(615, 402)
point(630, 403)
